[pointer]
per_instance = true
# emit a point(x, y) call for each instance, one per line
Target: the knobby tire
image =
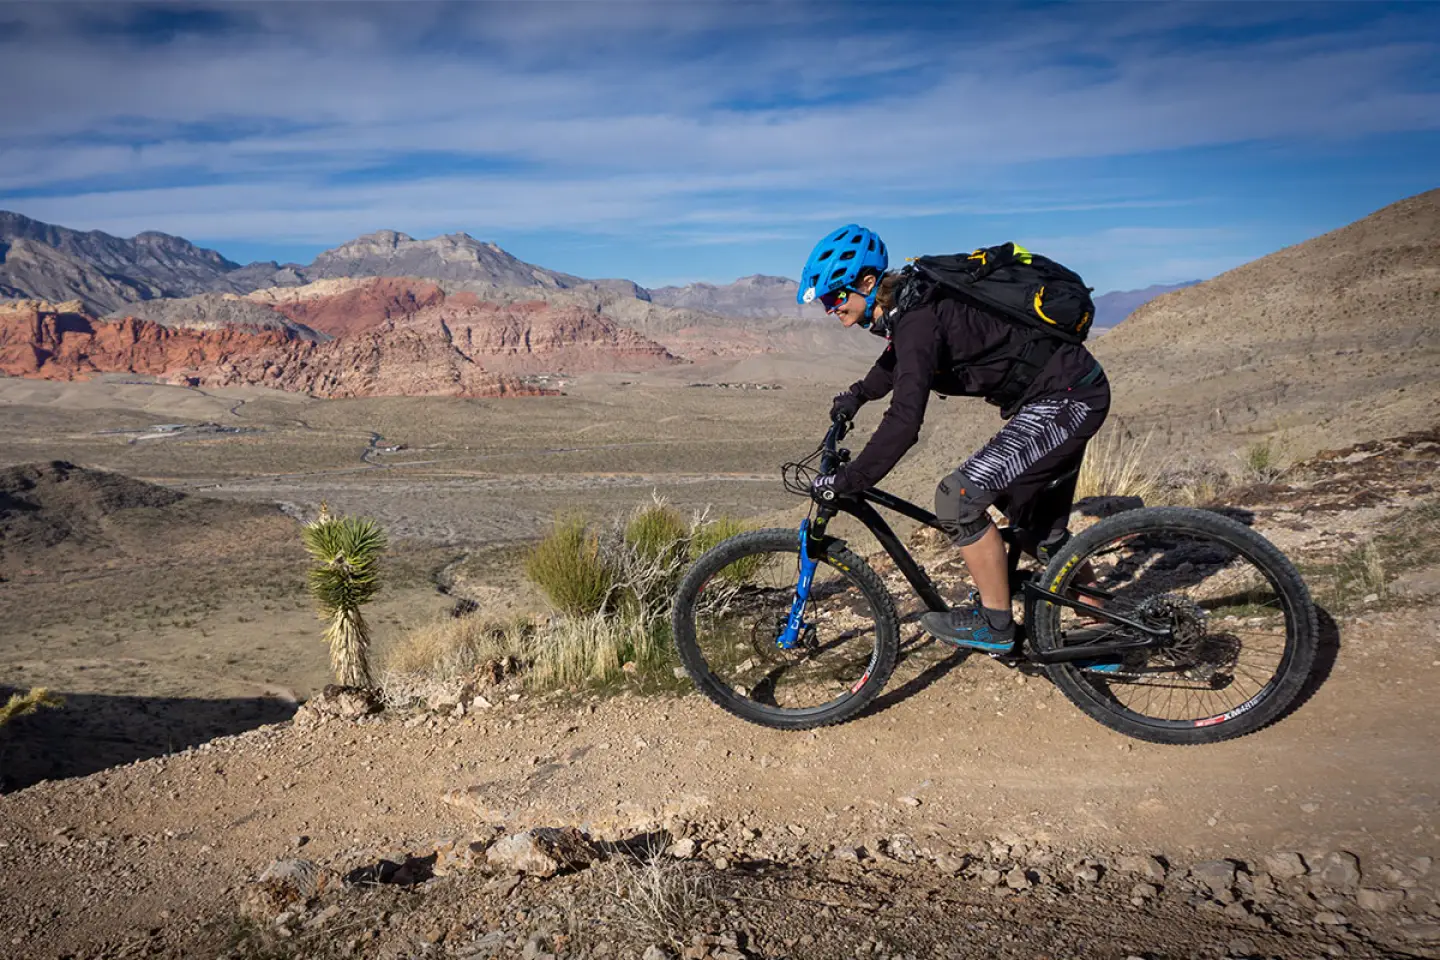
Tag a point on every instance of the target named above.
point(785, 541)
point(1301, 625)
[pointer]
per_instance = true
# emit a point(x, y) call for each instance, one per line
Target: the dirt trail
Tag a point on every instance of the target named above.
point(986, 752)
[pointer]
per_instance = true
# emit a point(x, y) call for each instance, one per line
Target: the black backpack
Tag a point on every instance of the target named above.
point(1015, 283)
point(1011, 282)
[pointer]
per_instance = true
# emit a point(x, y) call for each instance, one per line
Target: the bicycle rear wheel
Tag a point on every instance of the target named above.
point(1243, 628)
point(732, 607)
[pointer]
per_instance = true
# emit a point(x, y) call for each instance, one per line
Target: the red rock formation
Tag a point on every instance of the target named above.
point(364, 307)
point(414, 361)
point(62, 342)
point(408, 339)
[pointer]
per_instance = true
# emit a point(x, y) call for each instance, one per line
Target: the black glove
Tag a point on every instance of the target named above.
point(822, 488)
point(845, 406)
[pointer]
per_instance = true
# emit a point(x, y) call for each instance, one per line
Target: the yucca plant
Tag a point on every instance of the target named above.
point(21, 704)
point(346, 551)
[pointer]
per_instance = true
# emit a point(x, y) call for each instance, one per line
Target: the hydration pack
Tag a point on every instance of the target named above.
point(1015, 283)
point(1010, 282)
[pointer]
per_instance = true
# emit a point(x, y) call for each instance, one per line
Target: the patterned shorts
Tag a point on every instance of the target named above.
point(1031, 465)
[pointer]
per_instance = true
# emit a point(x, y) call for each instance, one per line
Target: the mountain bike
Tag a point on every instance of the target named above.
point(1169, 624)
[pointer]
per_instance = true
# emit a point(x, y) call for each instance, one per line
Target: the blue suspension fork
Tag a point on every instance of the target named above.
point(795, 623)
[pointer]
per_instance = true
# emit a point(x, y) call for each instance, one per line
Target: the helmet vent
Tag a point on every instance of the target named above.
point(838, 260)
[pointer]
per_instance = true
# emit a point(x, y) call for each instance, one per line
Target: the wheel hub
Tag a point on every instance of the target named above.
point(766, 642)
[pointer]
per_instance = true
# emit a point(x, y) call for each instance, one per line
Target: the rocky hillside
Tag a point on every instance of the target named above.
point(382, 338)
point(458, 346)
point(51, 262)
point(753, 296)
point(456, 256)
point(1112, 307)
point(57, 516)
point(340, 307)
point(1341, 332)
point(215, 311)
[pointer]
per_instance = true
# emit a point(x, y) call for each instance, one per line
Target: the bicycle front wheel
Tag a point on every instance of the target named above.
point(731, 610)
point(1242, 630)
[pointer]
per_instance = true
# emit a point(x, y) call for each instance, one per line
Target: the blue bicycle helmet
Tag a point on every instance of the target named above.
point(836, 263)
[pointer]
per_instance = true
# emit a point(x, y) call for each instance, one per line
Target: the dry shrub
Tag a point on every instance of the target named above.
point(655, 532)
point(612, 587)
point(569, 566)
point(632, 566)
point(663, 899)
point(649, 557)
point(435, 662)
point(1265, 461)
point(573, 652)
point(1116, 465)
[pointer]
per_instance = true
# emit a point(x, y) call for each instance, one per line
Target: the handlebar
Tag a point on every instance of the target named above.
point(830, 457)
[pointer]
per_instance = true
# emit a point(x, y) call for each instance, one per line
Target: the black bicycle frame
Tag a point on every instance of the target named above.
point(860, 507)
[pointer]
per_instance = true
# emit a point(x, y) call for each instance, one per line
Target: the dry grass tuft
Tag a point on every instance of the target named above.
point(434, 663)
point(575, 651)
point(663, 899)
point(1358, 574)
point(1265, 461)
point(1116, 465)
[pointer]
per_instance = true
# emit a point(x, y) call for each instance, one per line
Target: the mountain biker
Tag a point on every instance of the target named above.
point(947, 346)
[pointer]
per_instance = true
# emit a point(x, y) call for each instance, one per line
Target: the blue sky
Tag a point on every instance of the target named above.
point(1140, 143)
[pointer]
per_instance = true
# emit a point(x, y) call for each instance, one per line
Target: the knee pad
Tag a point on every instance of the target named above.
point(961, 508)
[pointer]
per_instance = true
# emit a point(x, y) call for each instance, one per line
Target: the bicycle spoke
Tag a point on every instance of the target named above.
point(1229, 625)
point(739, 636)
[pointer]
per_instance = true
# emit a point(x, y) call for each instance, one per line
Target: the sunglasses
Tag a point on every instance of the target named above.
point(832, 301)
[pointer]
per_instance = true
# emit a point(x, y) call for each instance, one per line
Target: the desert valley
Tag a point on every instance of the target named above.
point(170, 419)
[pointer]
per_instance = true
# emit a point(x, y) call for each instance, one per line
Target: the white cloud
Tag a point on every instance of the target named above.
point(695, 119)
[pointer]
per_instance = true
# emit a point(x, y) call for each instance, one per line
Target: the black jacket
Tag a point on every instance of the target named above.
point(953, 349)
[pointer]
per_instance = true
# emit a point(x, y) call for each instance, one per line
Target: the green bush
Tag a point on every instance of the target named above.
point(709, 535)
point(570, 568)
point(656, 534)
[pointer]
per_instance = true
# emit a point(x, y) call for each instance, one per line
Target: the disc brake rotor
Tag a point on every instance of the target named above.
point(1196, 652)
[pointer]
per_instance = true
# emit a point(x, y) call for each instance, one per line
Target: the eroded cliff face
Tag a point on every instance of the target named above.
point(342, 307)
point(538, 337)
point(392, 337)
point(61, 341)
point(416, 361)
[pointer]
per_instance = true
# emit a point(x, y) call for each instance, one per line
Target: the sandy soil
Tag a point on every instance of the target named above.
point(960, 754)
point(987, 753)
